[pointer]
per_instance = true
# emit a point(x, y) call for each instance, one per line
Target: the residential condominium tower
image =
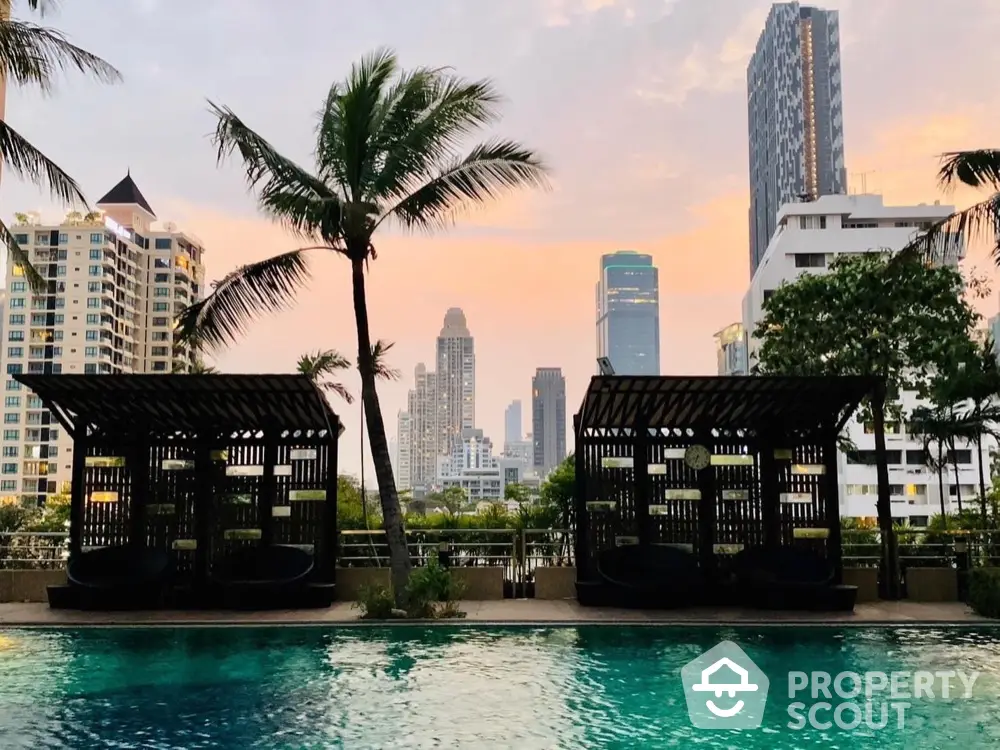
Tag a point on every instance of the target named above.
point(628, 313)
point(456, 380)
point(548, 418)
point(796, 116)
point(114, 285)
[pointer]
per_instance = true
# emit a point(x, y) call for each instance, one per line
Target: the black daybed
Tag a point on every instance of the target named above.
point(785, 577)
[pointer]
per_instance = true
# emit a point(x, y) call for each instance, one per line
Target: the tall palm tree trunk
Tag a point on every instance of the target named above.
point(958, 487)
point(940, 473)
point(392, 517)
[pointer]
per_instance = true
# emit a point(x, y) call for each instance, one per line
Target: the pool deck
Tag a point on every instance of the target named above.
point(509, 612)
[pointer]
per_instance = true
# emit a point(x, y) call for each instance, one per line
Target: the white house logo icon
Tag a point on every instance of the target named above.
point(713, 683)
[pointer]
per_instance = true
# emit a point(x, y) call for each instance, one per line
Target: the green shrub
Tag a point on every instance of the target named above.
point(984, 591)
point(375, 602)
point(428, 586)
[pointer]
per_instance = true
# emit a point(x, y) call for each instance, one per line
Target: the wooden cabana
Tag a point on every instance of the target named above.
point(712, 466)
point(198, 467)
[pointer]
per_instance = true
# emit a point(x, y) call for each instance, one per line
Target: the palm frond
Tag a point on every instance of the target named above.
point(33, 55)
point(980, 168)
point(489, 171)
point(425, 124)
point(945, 239)
point(339, 388)
point(383, 370)
point(285, 191)
point(346, 126)
point(322, 363)
point(19, 257)
point(242, 296)
point(33, 166)
point(41, 6)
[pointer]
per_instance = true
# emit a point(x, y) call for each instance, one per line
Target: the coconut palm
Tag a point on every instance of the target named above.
point(320, 366)
point(33, 55)
point(387, 153)
point(978, 169)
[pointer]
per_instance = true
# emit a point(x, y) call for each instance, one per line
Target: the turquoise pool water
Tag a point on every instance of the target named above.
point(468, 687)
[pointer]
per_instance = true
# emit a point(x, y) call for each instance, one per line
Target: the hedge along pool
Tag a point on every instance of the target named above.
point(469, 686)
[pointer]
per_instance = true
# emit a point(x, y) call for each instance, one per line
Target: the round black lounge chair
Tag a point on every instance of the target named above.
point(262, 577)
point(655, 576)
point(120, 577)
point(785, 577)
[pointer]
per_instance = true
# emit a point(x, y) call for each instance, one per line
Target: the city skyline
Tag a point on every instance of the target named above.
point(673, 77)
point(628, 313)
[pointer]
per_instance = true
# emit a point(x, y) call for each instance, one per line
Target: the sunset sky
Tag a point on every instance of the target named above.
point(638, 106)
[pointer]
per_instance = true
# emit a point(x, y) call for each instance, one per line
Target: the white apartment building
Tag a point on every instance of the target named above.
point(808, 238)
point(404, 477)
point(472, 467)
point(115, 284)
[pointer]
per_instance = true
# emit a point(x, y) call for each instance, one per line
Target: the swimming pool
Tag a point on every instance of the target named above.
point(276, 688)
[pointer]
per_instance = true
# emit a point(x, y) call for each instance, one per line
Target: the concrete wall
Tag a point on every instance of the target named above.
point(28, 585)
point(555, 583)
point(479, 583)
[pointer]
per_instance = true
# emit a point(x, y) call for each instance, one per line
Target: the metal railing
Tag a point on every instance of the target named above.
point(33, 550)
point(923, 548)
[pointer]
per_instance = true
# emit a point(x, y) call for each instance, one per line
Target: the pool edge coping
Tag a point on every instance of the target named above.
point(465, 623)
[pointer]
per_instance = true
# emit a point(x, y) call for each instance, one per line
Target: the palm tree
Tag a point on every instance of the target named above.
point(320, 366)
point(32, 55)
point(387, 152)
point(197, 368)
point(978, 169)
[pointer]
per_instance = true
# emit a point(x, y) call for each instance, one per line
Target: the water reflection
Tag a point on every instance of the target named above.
point(590, 687)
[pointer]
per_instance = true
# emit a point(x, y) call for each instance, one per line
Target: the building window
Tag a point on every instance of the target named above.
point(63, 239)
point(812, 222)
point(8, 468)
point(12, 435)
point(161, 321)
point(18, 286)
point(8, 485)
point(93, 335)
point(93, 319)
point(159, 351)
point(12, 418)
point(94, 270)
point(15, 351)
point(861, 225)
point(93, 302)
point(60, 270)
point(916, 458)
point(16, 319)
point(96, 239)
point(90, 369)
point(961, 457)
point(12, 402)
point(90, 351)
point(161, 291)
point(93, 286)
point(161, 306)
point(16, 302)
point(810, 260)
point(159, 367)
point(163, 243)
point(161, 278)
point(21, 239)
point(13, 385)
point(15, 335)
point(14, 369)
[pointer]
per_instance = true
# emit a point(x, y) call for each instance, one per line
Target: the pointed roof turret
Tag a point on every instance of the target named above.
point(126, 193)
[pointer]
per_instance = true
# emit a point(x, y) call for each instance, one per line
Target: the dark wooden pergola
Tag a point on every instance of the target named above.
point(198, 464)
point(772, 479)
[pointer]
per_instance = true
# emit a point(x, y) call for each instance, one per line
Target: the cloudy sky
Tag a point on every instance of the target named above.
point(637, 105)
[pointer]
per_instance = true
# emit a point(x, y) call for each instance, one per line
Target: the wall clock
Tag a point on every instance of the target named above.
point(697, 457)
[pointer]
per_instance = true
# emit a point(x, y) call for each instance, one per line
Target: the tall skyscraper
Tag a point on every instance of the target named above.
point(424, 439)
point(114, 286)
point(512, 423)
point(456, 380)
point(548, 417)
point(796, 116)
point(628, 313)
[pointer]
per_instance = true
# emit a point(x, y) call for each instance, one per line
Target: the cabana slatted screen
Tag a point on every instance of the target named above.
point(772, 478)
point(198, 464)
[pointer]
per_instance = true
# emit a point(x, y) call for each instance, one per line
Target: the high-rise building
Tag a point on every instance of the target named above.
point(731, 350)
point(810, 237)
point(114, 286)
point(512, 422)
point(548, 418)
point(796, 117)
point(403, 473)
point(456, 380)
point(422, 408)
point(628, 313)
